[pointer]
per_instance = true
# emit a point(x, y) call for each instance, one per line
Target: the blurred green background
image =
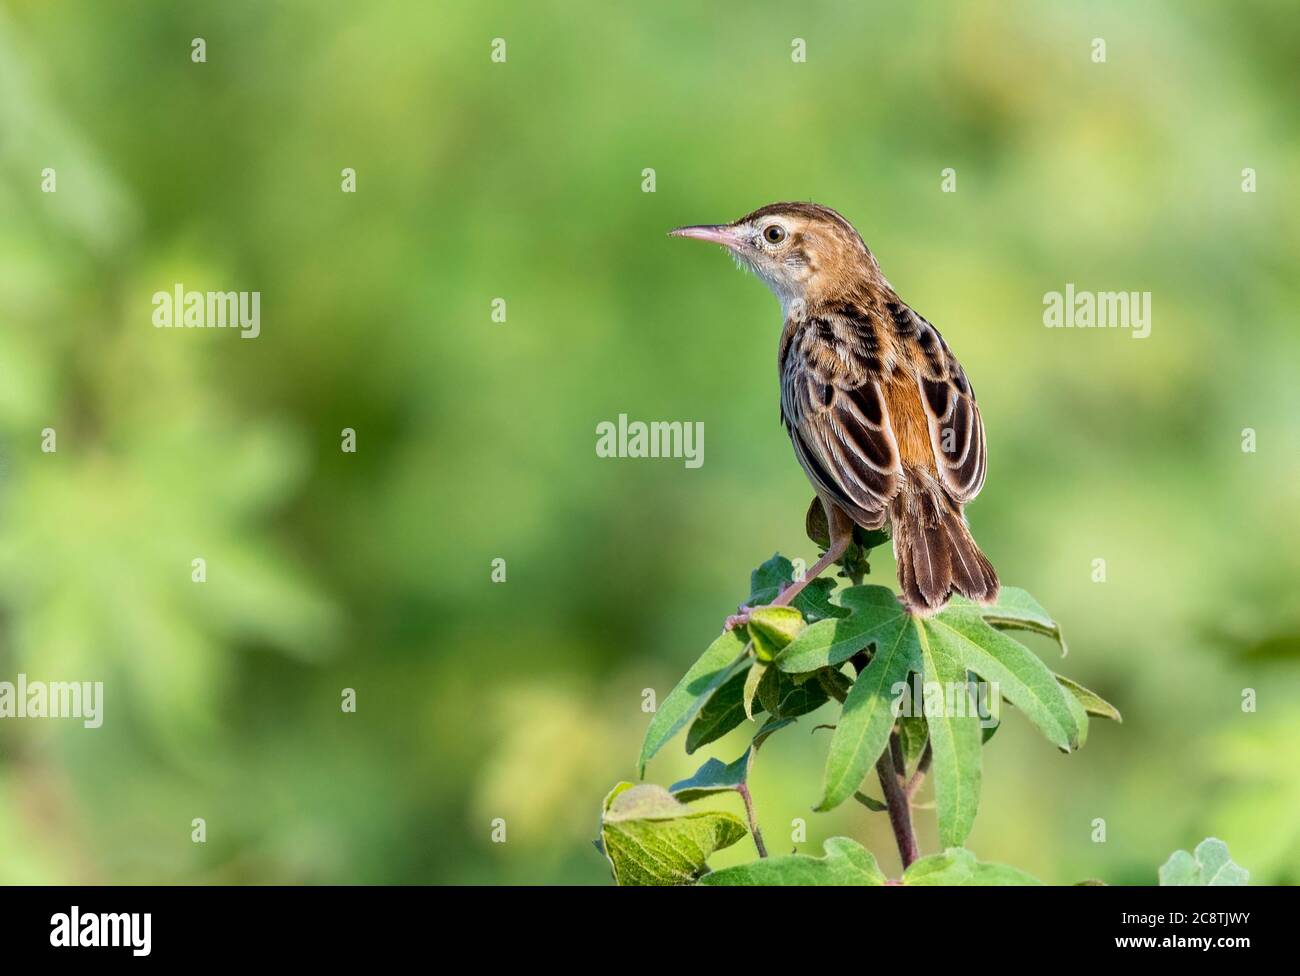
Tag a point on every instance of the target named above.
point(523, 180)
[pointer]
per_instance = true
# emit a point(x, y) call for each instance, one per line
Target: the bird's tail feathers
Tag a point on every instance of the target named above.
point(936, 553)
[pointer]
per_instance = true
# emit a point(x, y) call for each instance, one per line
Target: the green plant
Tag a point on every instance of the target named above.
point(1208, 866)
point(919, 697)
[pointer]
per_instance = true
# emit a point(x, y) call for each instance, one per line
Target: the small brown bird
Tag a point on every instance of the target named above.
point(879, 410)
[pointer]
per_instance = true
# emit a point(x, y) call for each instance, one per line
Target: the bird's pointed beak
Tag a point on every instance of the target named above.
point(723, 234)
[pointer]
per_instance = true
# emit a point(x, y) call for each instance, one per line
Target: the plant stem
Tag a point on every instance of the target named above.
point(855, 578)
point(757, 834)
point(922, 767)
point(896, 753)
point(900, 808)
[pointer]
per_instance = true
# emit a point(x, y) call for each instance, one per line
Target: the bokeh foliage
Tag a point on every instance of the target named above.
point(522, 180)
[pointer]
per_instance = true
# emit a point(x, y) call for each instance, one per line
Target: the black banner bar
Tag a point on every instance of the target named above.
point(364, 924)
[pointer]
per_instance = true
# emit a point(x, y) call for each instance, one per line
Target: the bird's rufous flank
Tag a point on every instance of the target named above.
point(880, 413)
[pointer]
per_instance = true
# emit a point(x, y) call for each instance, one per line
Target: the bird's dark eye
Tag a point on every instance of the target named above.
point(774, 234)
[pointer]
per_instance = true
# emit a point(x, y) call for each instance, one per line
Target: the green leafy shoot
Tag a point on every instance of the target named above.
point(958, 666)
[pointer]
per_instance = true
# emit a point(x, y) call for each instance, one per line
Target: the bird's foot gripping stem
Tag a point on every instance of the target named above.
point(737, 619)
point(741, 617)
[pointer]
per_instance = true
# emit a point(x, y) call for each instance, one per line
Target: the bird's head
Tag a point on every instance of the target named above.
point(804, 252)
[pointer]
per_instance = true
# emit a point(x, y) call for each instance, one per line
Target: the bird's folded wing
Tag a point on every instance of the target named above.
point(953, 416)
point(838, 421)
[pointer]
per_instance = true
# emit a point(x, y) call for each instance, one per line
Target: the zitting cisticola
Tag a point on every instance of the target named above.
point(879, 410)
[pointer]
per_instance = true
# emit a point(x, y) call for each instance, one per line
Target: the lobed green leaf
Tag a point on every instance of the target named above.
point(862, 732)
point(1080, 715)
point(1092, 702)
point(725, 708)
point(1209, 866)
point(722, 712)
point(799, 699)
point(814, 602)
point(913, 735)
point(714, 776)
point(1017, 610)
point(874, 613)
point(846, 862)
point(768, 727)
point(650, 838)
point(955, 740)
point(723, 658)
point(958, 866)
point(870, 802)
point(757, 673)
point(1021, 677)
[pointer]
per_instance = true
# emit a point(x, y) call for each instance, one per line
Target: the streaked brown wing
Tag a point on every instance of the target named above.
point(837, 417)
point(953, 416)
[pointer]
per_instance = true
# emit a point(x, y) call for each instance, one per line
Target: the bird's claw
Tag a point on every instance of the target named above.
point(737, 619)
